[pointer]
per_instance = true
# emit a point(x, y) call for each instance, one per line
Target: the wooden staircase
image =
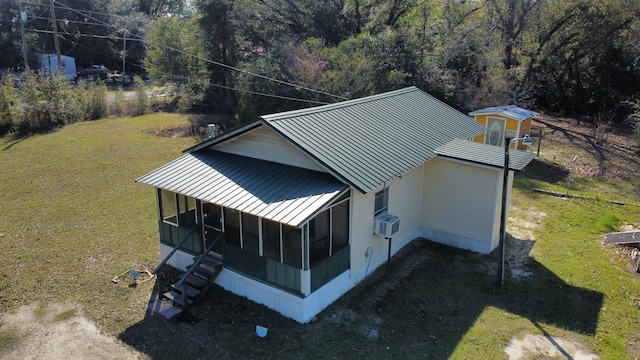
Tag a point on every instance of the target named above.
point(195, 282)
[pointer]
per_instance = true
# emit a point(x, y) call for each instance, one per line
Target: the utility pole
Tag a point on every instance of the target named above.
point(55, 37)
point(124, 50)
point(23, 19)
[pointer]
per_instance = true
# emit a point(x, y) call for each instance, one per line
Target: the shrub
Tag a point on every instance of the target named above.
point(140, 102)
point(92, 101)
point(7, 105)
point(117, 107)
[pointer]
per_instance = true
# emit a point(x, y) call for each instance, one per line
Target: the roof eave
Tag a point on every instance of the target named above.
point(224, 137)
point(485, 164)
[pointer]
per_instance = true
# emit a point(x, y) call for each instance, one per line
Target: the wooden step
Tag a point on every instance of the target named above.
point(196, 281)
point(176, 298)
point(212, 261)
point(191, 291)
point(203, 272)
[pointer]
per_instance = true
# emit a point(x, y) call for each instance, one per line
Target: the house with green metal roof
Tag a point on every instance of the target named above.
point(296, 208)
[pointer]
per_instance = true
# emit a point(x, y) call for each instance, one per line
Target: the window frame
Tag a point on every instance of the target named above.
point(384, 193)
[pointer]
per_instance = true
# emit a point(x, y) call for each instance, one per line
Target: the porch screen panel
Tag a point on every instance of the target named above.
point(187, 211)
point(250, 233)
point(319, 237)
point(339, 226)
point(231, 227)
point(212, 225)
point(292, 246)
point(271, 239)
point(168, 207)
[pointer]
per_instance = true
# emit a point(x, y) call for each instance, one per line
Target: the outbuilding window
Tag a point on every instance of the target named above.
point(494, 134)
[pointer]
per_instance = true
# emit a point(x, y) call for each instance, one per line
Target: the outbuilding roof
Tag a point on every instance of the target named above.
point(484, 154)
point(282, 193)
point(510, 111)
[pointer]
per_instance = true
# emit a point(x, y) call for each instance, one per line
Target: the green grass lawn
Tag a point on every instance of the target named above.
point(73, 218)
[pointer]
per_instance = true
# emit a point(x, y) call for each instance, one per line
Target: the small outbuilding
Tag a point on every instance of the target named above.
point(301, 206)
point(501, 121)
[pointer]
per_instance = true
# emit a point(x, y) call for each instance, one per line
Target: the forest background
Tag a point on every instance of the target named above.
point(244, 58)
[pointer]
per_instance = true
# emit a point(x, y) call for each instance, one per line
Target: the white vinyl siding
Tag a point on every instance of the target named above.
point(404, 201)
point(262, 143)
point(459, 199)
point(362, 229)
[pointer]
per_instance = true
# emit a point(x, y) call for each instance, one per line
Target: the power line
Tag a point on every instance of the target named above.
point(258, 93)
point(71, 21)
point(110, 37)
point(137, 38)
point(224, 65)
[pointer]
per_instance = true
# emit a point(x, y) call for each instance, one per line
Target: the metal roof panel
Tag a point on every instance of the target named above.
point(484, 154)
point(270, 190)
point(510, 111)
point(372, 140)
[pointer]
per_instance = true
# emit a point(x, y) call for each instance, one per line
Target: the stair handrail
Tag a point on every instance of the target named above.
point(198, 260)
point(164, 261)
point(182, 284)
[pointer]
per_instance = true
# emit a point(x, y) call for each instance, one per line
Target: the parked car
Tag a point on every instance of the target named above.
point(94, 72)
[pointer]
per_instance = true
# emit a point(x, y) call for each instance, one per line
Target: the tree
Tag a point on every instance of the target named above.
point(9, 36)
point(159, 8)
point(583, 57)
point(513, 19)
point(218, 26)
point(175, 50)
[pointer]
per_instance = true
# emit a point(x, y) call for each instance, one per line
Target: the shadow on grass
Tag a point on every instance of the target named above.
point(425, 313)
point(15, 140)
point(543, 170)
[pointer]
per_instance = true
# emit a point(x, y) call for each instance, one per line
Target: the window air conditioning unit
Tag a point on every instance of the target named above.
point(387, 225)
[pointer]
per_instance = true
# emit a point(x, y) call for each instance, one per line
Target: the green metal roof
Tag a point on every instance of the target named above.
point(369, 141)
point(282, 193)
point(484, 154)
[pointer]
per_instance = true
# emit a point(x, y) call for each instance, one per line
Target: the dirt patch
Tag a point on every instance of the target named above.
point(545, 346)
point(521, 226)
point(193, 130)
point(57, 332)
point(612, 155)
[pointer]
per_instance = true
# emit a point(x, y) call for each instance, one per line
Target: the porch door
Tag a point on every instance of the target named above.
point(212, 226)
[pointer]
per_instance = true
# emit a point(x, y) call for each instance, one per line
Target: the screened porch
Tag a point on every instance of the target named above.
point(296, 259)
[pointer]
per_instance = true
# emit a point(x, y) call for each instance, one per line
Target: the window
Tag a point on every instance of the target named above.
point(381, 201)
point(250, 234)
point(339, 226)
point(187, 211)
point(329, 232)
point(292, 246)
point(494, 134)
point(271, 239)
point(231, 227)
point(319, 236)
point(168, 207)
point(176, 209)
point(212, 226)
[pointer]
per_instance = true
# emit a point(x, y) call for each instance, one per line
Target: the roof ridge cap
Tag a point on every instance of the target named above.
point(306, 111)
